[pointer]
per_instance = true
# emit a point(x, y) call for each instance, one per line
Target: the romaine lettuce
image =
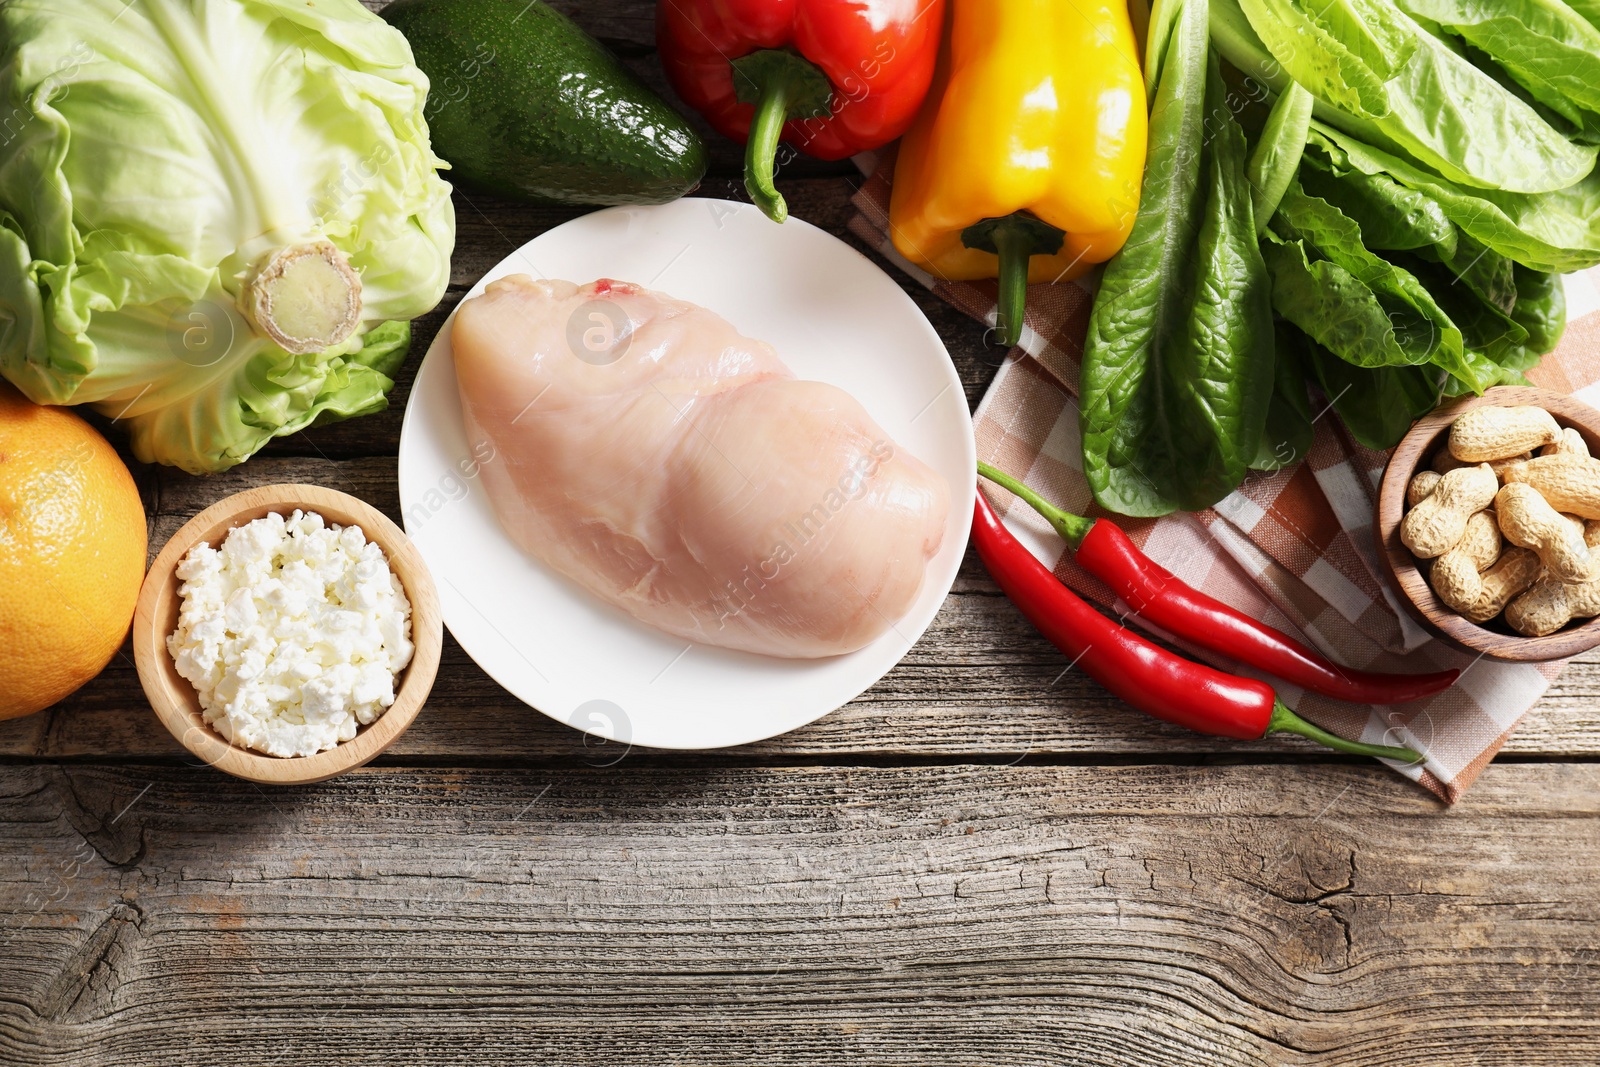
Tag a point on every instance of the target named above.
point(1382, 77)
point(1544, 45)
point(1176, 379)
point(1557, 231)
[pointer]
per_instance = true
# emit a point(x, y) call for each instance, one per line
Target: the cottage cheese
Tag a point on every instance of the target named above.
point(293, 633)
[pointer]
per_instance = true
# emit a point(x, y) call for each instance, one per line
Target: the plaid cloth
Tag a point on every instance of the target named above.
point(1293, 548)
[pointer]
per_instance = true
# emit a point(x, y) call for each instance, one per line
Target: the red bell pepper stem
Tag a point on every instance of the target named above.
point(1157, 682)
point(761, 152)
point(1177, 608)
point(782, 86)
point(833, 77)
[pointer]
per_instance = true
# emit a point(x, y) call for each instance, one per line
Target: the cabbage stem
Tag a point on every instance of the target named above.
point(305, 298)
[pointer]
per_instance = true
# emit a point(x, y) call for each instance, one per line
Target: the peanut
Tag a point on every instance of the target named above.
point(1527, 519)
point(1488, 432)
point(1499, 466)
point(1454, 576)
point(1570, 443)
point(1549, 604)
point(1480, 542)
point(1430, 528)
point(1589, 530)
point(1422, 483)
point(1480, 597)
point(1444, 462)
point(1570, 483)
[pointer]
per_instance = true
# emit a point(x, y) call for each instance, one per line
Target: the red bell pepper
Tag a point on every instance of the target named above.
point(831, 77)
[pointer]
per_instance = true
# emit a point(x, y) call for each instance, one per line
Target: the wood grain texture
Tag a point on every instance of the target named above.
point(981, 682)
point(1033, 915)
point(984, 860)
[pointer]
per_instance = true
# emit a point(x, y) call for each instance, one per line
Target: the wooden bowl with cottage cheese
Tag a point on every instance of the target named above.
point(178, 703)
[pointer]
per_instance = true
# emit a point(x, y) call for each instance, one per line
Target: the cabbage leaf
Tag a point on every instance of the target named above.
point(154, 155)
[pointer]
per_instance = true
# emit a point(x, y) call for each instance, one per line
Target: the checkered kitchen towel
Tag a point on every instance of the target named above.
point(1293, 548)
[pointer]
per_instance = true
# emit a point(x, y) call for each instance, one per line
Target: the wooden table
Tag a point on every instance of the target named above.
point(985, 859)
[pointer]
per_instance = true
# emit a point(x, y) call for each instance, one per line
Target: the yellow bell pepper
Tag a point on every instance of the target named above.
point(1025, 161)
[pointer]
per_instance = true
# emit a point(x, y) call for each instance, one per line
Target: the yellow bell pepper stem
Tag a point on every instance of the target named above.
point(1014, 240)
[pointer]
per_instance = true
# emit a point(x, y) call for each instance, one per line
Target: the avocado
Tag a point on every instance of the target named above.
point(525, 104)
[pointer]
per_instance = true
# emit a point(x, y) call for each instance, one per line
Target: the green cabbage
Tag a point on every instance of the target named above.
point(154, 156)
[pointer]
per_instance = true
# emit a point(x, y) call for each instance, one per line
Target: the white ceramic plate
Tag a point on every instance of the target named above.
point(833, 316)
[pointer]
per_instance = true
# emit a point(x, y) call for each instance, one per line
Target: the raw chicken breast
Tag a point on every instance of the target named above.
point(679, 471)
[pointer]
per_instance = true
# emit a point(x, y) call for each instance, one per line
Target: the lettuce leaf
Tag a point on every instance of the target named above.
point(1544, 45)
point(1553, 232)
point(1541, 309)
point(1176, 378)
point(1384, 78)
point(158, 153)
point(1289, 432)
point(1376, 404)
point(1365, 309)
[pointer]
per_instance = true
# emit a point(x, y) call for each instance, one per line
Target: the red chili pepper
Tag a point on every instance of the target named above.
point(1157, 682)
point(1158, 596)
point(832, 77)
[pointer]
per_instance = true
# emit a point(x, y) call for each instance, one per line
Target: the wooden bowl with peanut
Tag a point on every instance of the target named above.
point(1489, 522)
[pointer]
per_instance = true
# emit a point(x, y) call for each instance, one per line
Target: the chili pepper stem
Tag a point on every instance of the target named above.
point(1072, 528)
point(1286, 721)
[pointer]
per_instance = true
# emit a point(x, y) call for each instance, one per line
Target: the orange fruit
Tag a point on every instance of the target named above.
point(72, 552)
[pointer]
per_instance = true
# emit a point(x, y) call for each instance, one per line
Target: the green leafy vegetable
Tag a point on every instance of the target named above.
point(1158, 34)
point(1287, 436)
point(1390, 82)
point(1318, 59)
point(1541, 308)
point(1177, 369)
point(1493, 340)
point(1277, 153)
point(1558, 231)
point(1482, 270)
point(1544, 45)
point(1365, 309)
point(196, 198)
point(1377, 404)
point(1441, 190)
point(1390, 215)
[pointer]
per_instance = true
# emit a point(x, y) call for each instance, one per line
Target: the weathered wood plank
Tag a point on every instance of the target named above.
point(1033, 915)
point(981, 682)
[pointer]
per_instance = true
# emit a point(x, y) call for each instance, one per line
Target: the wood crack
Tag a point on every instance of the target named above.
point(92, 965)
